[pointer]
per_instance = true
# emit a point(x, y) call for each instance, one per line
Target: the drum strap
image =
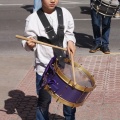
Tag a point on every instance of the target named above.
point(55, 39)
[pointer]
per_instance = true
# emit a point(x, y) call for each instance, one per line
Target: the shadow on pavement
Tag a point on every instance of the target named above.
point(83, 40)
point(85, 10)
point(56, 117)
point(24, 106)
point(28, 8)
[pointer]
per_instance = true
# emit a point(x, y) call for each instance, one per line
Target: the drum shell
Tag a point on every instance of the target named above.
point(105, 8)
point(61, 89)
point(65, 91)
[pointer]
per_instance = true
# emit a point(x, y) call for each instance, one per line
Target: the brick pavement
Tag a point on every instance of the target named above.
point(102, 104)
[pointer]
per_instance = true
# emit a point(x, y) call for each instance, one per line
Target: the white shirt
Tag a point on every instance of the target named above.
point(34, 28)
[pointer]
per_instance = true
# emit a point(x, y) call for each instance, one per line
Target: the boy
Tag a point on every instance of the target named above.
point(35, 28)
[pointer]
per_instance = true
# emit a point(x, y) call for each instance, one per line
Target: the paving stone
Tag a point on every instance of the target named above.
point(102, 104)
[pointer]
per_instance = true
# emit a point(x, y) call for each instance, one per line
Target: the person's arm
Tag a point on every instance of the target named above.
point(71, 47)
point(30, 32)
point(31, 44)
point(69, 35)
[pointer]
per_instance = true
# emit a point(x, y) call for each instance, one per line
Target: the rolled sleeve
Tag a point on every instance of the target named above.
point(30, 31)
point(69, 33)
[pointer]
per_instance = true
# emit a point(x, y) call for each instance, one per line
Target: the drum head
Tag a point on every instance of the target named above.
point(81, 77)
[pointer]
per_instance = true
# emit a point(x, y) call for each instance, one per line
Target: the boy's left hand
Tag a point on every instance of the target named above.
point(71, 47)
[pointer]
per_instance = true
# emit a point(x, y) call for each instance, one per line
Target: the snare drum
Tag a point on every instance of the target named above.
point(59, 83)
point(106, 7)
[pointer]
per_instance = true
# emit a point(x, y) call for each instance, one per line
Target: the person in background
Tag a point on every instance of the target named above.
point(37, 5)
point(35, 29)
point(101, 36)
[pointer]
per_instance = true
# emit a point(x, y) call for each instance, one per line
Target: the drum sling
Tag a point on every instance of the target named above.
point(55, 39)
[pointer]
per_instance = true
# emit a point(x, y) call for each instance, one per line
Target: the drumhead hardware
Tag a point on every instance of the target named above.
point(59, 83)
point(105, 7)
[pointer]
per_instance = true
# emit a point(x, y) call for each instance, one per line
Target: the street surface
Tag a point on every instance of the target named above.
point(15, 62)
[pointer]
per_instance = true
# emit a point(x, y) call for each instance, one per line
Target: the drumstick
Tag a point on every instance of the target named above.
point(38, 42)
point(73, 71)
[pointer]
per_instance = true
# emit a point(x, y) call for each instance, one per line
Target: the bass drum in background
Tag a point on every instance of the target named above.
point(105, 7)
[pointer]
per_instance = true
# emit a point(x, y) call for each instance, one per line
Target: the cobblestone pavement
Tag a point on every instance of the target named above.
point(102, 104)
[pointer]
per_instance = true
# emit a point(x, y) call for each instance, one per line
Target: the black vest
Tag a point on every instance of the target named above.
point(55, 39)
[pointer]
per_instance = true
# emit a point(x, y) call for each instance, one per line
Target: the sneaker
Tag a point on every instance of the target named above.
point(95, 48)
point(117, 15)
point(105, 50)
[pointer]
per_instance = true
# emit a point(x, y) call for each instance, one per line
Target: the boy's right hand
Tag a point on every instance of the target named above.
point(30, 43)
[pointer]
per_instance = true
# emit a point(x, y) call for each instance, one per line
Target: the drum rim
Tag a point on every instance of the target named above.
point(104, 13)
point(70, 82)
point(107, 4)
point(115, 7)
point(60, 99)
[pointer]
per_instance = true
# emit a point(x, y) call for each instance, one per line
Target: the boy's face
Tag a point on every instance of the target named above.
point(49, 5)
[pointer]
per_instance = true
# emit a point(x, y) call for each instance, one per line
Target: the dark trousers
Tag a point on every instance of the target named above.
point(101, 28)
point(44, 99)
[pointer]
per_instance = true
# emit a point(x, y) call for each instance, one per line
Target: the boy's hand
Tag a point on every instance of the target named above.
point(71, 47)
point(30, 43)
